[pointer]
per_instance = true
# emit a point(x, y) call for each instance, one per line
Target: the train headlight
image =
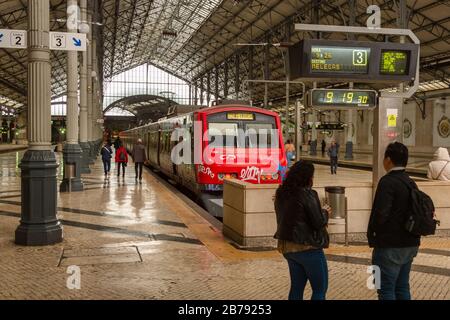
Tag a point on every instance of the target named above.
point(222, 176)
point(275, 176)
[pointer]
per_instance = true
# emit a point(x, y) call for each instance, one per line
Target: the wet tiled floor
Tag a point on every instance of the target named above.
point(144, 241)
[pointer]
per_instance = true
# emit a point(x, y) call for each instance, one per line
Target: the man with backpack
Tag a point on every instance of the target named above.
point(400, 215)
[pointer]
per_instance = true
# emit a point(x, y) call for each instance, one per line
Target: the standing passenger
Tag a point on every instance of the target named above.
point(106, 153)
point(121, 159)
point(439, 168)
point(139, 157)
point(333, 152)
point(394, 246)
point(290, 151)
point(301, 231)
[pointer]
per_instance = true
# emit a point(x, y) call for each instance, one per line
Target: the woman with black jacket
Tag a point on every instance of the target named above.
point(301, 231)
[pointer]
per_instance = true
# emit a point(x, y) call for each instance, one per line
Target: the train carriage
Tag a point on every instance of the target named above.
point(224, 141)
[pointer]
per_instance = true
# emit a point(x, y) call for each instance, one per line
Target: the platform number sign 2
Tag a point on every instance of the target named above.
point(18, 40)
point(14, 39)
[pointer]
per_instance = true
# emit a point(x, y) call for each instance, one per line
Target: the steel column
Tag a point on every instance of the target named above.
point(39, 224)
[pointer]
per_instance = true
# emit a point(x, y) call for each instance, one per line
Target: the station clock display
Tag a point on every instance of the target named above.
point(343, 99)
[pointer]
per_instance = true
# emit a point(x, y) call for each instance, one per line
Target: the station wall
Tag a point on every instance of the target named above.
point(421, 134)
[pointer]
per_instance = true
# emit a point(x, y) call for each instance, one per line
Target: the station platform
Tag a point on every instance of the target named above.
point(416, 165)
point(148, 241)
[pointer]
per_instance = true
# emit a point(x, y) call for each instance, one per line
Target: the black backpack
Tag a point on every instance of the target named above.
point(420, 221)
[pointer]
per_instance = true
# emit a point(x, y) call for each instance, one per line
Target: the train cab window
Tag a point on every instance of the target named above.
point(223, 134)
point(259, 135)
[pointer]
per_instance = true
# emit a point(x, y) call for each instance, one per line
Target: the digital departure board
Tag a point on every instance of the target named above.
point(356, 61)
point(394, 62)
point(353, 60)
point(343, 99)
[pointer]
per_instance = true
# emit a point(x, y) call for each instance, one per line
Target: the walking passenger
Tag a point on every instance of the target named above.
point(301, 231)
point(333, 152)
point(106, 154)
point(324, 145)
point(121, 159)
point(394, 246)
point(117, 143)
point(439, 168)
point(139, 157)
point(290, 151)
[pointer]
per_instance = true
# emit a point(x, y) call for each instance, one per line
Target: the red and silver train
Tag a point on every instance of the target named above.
point(255, 160)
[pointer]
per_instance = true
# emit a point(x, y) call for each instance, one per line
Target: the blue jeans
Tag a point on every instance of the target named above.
point(289, 156)
point(395, 266)
point(106, 165)
point(333, 164)
point(308, 265)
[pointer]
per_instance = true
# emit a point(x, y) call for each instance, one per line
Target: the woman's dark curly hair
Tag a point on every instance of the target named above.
point(299, 176)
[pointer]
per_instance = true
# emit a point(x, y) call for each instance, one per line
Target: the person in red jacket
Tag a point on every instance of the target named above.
point(121, 159)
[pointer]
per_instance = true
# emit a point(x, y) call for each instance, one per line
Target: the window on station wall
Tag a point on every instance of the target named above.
point(141, 80)
point(59, 106)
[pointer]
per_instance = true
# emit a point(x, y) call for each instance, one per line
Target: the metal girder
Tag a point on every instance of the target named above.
point(116, 13)
point(142, 26)
point(13, 87)
point(244, 30)
point(230, 18)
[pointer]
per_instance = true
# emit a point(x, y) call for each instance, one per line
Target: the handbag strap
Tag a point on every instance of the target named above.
point(442, 170)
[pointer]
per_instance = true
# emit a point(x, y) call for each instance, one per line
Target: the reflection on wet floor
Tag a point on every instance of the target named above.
point(112, 199)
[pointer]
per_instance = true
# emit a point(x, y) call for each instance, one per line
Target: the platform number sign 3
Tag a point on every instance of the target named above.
point(67, 41)
point(59, 42)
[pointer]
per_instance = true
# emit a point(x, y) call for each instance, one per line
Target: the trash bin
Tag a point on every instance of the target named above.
point(69, 173)
point(335, 198)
